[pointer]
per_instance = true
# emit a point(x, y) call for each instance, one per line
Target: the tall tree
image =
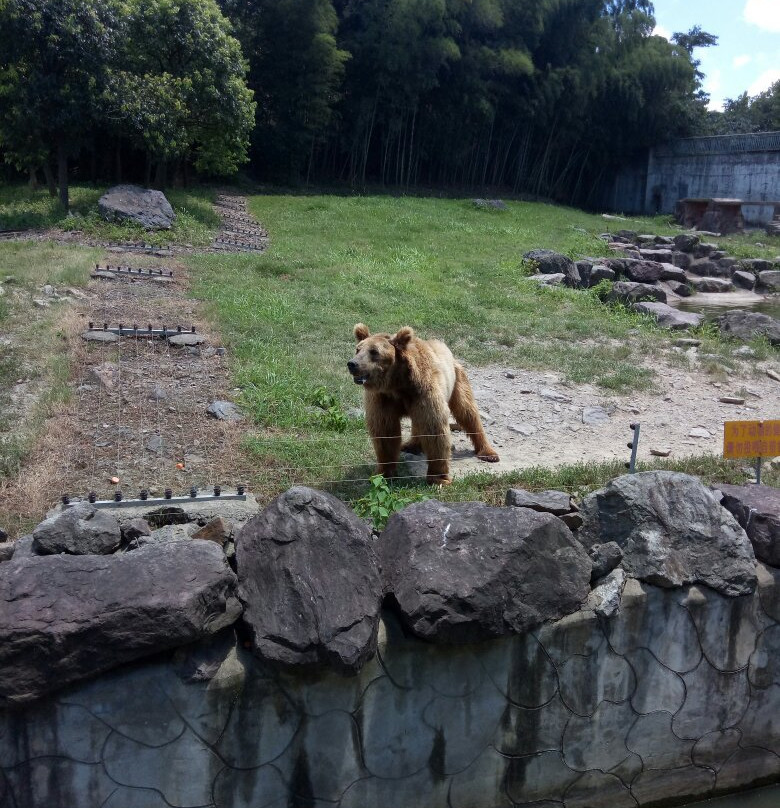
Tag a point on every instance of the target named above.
point(54, 61)
point(178, 88)
point(296, 69)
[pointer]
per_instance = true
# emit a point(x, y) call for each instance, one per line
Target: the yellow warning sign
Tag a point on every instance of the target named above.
point(751, 439)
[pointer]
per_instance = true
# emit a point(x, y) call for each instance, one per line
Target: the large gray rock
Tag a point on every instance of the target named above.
point(644, 271)
point(669, 272)
point(672, 531)
point(629, 292)
point(549, 262)
point(710, 284)
point(747, 280)
point(757, 509)
point(66, 618)
point(310, 582)
point(747, 325)
point(685, 242)
point(555, 502)
point(668, 317)
point(467, 572)
point(148, 208)
point(769, 279)
point(81, 529)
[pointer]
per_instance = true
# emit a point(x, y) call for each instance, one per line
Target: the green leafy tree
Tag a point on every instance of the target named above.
point(178, 87)
point(54, 62)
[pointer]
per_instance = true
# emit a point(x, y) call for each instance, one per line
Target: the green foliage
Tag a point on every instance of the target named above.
point(178, 85)
point(333, 417)
point(602, 290)
point(384, 499)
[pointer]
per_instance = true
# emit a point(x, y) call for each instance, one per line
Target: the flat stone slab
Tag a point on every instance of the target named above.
point(67, 618)
point(99, 336)
point(669, 317)
point(186, 338)
point(555, 502)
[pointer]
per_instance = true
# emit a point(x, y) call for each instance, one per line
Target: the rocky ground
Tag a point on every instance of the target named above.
point(533, 418)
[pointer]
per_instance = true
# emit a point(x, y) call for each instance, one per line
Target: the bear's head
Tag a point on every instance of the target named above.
point(376, 355)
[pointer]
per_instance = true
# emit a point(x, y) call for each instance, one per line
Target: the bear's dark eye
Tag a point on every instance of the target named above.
point(374, 353)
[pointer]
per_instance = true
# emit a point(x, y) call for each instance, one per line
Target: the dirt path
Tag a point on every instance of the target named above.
point(138, 412)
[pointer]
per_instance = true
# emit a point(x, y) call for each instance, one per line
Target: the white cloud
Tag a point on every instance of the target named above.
point(763, 13)
point(741, 61)
point(659, 30)
point(764, 81)
point(713, 86)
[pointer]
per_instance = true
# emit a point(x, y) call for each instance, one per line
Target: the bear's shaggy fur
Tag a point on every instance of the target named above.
point(403, 375)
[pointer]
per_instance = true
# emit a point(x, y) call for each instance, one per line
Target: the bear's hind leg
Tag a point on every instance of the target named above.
point(464, 408)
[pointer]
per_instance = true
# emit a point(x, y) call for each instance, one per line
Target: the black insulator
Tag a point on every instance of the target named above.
point(105, 326)
point(627, 465)
point(150, 326)
point(91, 326)
point(144, 494)
point(120, 327)
point(633, 426)
point(65, 499)
point(178, 329)
point(135, 326)
point(193, 492)
point(192, 329)
point(240, 489)
point(92, 496)
point(168, 493)
point(630, 445)
point(117, 495)
point(217, 491)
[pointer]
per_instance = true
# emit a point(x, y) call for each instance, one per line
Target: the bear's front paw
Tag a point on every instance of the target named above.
point(489, 456)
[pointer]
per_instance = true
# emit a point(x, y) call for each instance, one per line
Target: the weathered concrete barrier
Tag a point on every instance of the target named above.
point(646, 692)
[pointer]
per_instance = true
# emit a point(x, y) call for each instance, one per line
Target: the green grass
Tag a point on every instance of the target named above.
point(38, 352)
point(21, 209)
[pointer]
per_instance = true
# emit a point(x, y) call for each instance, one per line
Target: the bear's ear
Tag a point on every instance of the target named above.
point(401, 339)
point(361, 332)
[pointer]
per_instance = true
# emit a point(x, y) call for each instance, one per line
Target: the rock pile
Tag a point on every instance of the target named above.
point(648, 271)
point(129, 203)
point(85, 594)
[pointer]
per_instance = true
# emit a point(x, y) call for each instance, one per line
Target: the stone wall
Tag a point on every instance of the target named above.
point(677, 694)
point(661, 684)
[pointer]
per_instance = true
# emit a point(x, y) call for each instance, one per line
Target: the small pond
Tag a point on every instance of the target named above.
point(712, 305)
point(768, 797)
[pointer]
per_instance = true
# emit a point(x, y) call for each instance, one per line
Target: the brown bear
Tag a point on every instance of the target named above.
point(403, 375)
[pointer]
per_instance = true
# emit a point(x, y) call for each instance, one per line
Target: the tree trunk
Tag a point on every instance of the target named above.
point(148, 171)
point(62, 174)
point(50, 184)
point(33, 182)
point(118, 160)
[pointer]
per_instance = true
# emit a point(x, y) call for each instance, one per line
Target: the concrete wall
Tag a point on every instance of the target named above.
point(731, 166)
point(655, 695)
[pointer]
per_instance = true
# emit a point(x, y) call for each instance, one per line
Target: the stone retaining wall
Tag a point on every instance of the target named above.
point(676, 695)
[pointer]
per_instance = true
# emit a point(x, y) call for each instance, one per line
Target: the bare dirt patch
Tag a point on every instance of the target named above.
point(533, 418)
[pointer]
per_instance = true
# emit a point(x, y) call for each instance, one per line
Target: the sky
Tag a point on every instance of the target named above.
point(747, 56)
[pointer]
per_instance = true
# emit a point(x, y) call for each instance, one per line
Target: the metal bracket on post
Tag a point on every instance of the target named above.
point(145, 500)
point(634, 445)
point(758, 471)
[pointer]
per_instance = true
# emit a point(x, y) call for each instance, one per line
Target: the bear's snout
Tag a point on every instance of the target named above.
point(352, 366)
